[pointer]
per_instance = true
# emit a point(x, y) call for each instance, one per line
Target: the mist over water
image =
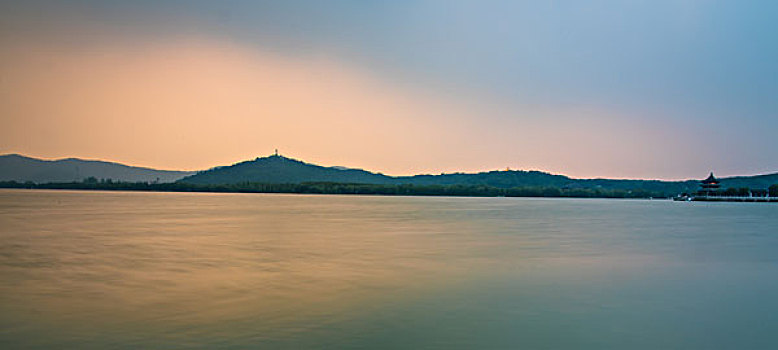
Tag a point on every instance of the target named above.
point(125, 270)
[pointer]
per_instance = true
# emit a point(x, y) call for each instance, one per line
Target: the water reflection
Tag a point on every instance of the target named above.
point(128, 270)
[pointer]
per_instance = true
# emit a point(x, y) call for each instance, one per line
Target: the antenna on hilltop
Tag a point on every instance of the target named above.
point(276, 152)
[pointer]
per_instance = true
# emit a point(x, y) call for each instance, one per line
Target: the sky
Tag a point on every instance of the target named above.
point(613, 89)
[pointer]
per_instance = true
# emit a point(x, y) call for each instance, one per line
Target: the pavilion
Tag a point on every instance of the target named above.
point(710, 186)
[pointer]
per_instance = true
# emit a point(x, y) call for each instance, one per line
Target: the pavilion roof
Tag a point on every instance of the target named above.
point(711, 179)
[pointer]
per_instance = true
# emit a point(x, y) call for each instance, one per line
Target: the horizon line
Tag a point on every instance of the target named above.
point(278, 154)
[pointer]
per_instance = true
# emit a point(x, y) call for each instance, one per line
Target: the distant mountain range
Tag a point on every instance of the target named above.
point(14, 167)
point(278, 169)
point(282, 170)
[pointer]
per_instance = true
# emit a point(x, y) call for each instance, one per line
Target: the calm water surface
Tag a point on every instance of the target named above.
point(129, 270)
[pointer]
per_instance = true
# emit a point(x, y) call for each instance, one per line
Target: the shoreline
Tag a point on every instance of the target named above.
point(349, 189)
point(735, 199)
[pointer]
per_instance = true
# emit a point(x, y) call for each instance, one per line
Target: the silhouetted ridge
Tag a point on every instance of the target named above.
point(280, 169)
point(15, 167)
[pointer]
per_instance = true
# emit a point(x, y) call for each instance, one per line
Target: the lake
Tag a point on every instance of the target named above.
point(133, 270)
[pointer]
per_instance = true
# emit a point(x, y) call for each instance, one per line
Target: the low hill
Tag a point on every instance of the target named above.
point(282, 170)
point(14, 167)
point(501, 179)
point(278, 170)
point(758, 181)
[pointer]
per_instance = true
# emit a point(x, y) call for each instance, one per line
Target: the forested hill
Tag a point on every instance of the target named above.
point(14, 167)
point(758, 181)
point(278, 169)
point(281, 170)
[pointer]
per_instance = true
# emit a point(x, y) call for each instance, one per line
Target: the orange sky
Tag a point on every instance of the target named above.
point(201, 102)
point(399, 88)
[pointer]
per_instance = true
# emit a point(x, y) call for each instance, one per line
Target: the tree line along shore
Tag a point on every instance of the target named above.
point(345, 188)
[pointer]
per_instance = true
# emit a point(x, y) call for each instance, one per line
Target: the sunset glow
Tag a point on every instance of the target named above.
point(130, 89)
